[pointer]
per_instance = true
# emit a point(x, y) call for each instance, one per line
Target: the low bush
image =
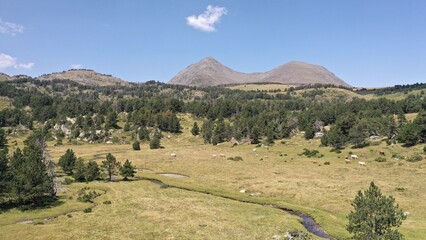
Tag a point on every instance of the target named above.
point(136, 146)
point(236, 158)
point(87, 210)
point(311, 153)
point(415, 158)
point(87, 196)
point(380, 159)
point(68, 181)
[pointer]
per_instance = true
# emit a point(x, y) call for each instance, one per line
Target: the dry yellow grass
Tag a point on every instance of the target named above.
point(279, 174)
point(260, 87)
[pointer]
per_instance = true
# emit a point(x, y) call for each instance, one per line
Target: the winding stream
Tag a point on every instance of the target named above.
point(307, 221)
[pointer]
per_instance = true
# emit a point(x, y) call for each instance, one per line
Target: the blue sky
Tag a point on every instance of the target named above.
point(365, 42)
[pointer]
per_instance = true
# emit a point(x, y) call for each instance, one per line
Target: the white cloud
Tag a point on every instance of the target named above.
point(7, 61)
point(10, 28)
point(76, 66)
point(206, 20)
point(26, 66)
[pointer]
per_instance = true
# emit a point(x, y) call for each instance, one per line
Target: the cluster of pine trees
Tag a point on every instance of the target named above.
point(90, 171)
point(226, 113)
point(27, 176)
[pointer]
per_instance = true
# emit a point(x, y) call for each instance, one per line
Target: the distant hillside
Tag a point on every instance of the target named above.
point(210, 72)
point(85, 77)
point(4, 77)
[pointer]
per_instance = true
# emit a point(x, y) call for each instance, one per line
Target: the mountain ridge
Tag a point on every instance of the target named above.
point(210, 72)
point(85, 77)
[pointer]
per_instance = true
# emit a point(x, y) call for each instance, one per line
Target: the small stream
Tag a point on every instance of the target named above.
point(307, 221)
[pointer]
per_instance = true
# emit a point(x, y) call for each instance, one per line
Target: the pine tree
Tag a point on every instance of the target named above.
point(220, 131)
point(4, 170)
point(136, 146)
point(255, 135)
point(111, 120)
point(375, 217)
point(30, 182)
point(155, 142)
point(3, 140)
point(195, 129)
point(79, 169)
point(143, 134)
point(408, 134)
point(92, 171)
point(309, 132)
point(127, 170)
point(110, 166)
point(67, 161)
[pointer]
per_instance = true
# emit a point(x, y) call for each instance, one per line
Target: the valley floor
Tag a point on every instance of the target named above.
point(276, 175)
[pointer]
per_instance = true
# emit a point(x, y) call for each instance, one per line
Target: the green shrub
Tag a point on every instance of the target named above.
point(69, 215)
point(136, 146)
point(38, 222)
point(86, 196)
point(400, 189)
point(107, 202)
point(424, 149)
point(311, 153)
point(87, 210)
point(68, 181)
point(237, 158)
point(380, 159)
point(327, 163)
point(415, 158)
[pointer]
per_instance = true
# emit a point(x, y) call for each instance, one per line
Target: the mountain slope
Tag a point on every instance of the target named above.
point(4, 77)
point(302, 73)
point(85, 77)
point(209, 72)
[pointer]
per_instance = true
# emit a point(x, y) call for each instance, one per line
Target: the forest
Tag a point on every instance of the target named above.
point(62, 109)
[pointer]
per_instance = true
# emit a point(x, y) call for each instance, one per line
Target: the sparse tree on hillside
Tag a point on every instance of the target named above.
point(195, 130)
point(143, 134)
point(79, 169)
point(136, 146)
point(110, 166)
point(92, 171)
point(155, 142)
point(375, 217)
point(127, 170)
point(67, 161)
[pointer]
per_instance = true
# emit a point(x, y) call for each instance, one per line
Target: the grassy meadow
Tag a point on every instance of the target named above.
point(277, 175)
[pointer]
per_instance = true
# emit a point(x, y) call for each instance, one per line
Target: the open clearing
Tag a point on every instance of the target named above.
point(278, 175)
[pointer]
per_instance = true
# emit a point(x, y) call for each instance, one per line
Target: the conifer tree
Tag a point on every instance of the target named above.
point(375, 217)
point(195, 129)
point(67, 161)
point(127, 170)
point(110, 166)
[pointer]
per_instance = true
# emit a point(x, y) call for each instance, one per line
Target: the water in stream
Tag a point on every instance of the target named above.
point(307, 221)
